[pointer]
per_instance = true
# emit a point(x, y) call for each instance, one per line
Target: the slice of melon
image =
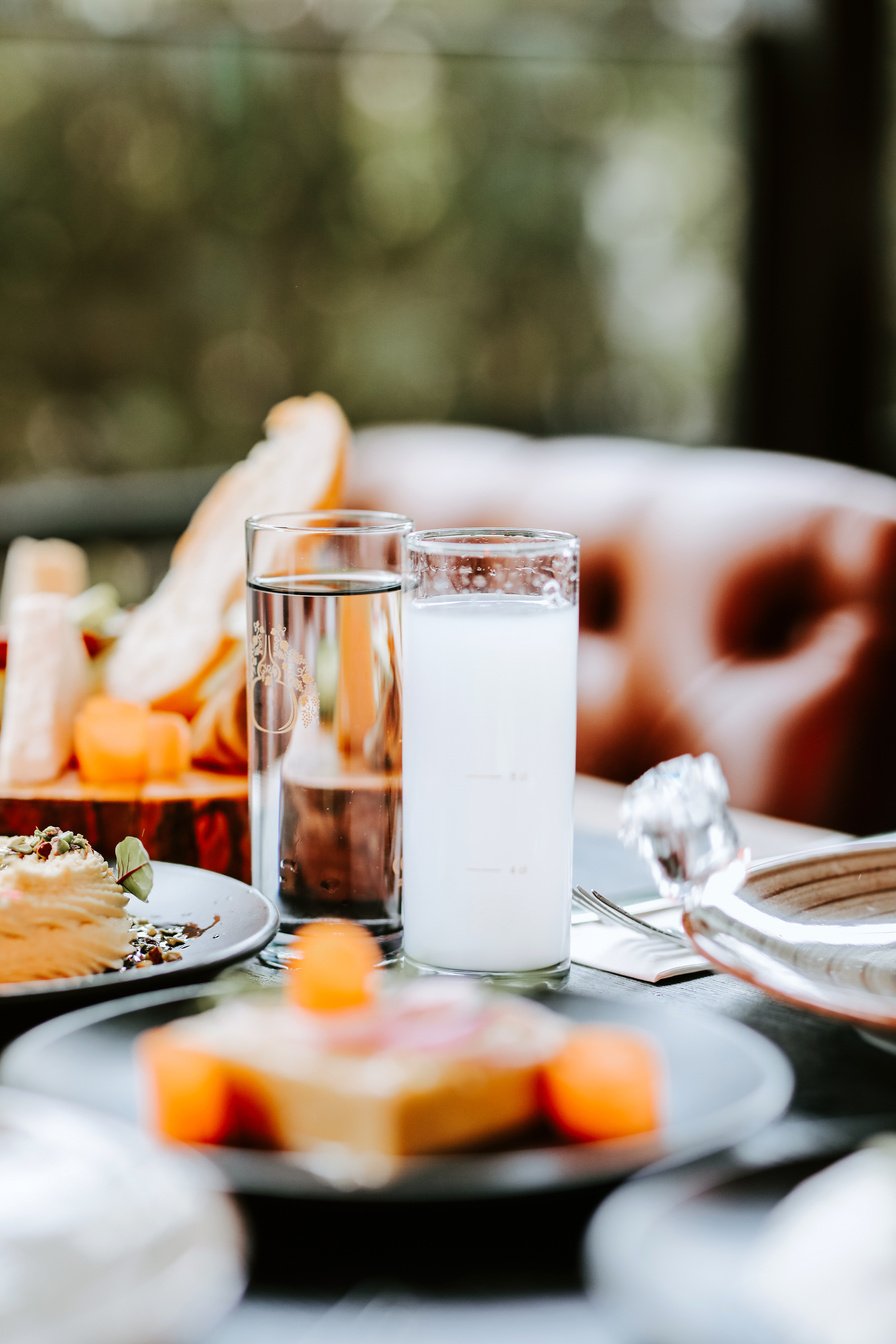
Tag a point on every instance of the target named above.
point(167, 746)
point(335, 968)
point(118, 742)
point(174, 640)
point(46, 680)
point(189, 1092)
point(111, 740)
point(605, 1083)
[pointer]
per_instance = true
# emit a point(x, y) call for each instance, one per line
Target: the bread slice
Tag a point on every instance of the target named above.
point(47, 677)
point(50, 565)
point(174, 640)
point(218, 730)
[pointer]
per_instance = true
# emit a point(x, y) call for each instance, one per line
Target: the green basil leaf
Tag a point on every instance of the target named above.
point(133, 870)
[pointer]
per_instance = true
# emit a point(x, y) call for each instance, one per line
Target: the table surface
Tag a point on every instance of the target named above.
point(512, 1267)
point(343, 1272)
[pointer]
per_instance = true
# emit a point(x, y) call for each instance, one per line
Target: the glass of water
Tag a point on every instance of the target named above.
point(490, 635)
point(325, 717)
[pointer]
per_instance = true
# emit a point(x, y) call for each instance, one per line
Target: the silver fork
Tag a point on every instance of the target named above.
point(616, 914)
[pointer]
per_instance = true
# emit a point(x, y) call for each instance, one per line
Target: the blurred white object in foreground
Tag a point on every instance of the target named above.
point(824, 1268)
point(106, 1238)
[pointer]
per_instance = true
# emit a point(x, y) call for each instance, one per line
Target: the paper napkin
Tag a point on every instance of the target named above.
point(607, 947)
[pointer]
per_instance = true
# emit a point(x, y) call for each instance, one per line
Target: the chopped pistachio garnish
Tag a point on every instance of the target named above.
point(45, 844)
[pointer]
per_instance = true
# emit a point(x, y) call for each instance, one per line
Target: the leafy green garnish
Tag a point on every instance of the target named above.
point(133, 870)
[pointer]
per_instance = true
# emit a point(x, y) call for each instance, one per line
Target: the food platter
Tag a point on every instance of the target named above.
point(722, 1082)
point(200, 818)
point(815, 929)
point(232, 922)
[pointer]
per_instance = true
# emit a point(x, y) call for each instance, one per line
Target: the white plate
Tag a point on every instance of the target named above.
point(723, 1082)
point(106, 1236)
point(665, 1254)
point(242, 921)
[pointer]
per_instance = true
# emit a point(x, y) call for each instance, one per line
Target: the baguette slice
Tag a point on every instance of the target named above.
point(174, 640)
point(47, 566)
point(218, 731)
point(47, 676)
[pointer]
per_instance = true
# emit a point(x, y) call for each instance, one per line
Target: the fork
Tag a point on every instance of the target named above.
point(606, 909)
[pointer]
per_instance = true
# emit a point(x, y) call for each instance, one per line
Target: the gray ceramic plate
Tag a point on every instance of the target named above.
point(817, 930)
point(664, 1253)
point(237, 920)
point(723, 1081)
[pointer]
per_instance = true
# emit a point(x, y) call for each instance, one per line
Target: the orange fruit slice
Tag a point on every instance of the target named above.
point(119, 742)
point(110, 740)
point(168, 746)
point(189, 1092)
point(605, 1083)
point(335, 967)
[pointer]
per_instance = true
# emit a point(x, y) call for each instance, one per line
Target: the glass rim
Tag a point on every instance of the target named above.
point(483, 541)
point(331, 522)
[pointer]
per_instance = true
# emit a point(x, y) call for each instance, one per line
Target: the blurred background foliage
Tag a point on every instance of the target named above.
point(521, 214)
point(660, 218)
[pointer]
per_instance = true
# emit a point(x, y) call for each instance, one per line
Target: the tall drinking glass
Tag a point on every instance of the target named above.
point(325, 716)
point(490, 635)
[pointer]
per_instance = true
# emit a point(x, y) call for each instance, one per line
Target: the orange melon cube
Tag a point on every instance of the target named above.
point(605, 1083)
point(189, 1093)
point(167, 745)
point(335, 967)
point(102, 705)
point(120, 742)
point(111, 740)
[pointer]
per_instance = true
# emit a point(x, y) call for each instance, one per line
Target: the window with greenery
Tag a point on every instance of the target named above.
point(528, 215)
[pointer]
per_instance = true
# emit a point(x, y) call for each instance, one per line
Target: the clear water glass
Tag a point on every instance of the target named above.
point(325, 716)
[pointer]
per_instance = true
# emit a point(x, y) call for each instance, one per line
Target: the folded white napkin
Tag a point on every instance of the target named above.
point(607, 947)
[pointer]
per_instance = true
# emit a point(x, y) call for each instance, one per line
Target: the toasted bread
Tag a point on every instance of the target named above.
point(46, 566)
point(218, 730)
point(46, 680)
point(174, 641)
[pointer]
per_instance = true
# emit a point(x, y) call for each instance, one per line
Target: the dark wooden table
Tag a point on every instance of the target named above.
point(511, 1267)
point(477, 1271)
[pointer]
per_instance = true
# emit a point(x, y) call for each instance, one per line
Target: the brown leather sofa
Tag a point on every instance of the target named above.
point(732, 601)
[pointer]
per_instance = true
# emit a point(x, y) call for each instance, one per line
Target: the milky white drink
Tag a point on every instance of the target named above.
point(489, 764)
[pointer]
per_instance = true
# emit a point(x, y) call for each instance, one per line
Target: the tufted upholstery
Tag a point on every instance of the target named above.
point(732, 601)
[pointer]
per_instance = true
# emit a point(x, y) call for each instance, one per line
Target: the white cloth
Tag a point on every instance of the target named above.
point(608, 947)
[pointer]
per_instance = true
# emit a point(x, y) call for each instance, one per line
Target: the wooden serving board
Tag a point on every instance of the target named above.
point(201, 818)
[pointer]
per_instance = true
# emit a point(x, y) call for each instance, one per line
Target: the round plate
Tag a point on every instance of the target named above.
point(817, 930)
point(105, 1235)
point(723, 1081)
point(238, 922)
point(664, 1254)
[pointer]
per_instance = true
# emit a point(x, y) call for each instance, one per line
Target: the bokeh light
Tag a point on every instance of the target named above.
point(502, 211)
